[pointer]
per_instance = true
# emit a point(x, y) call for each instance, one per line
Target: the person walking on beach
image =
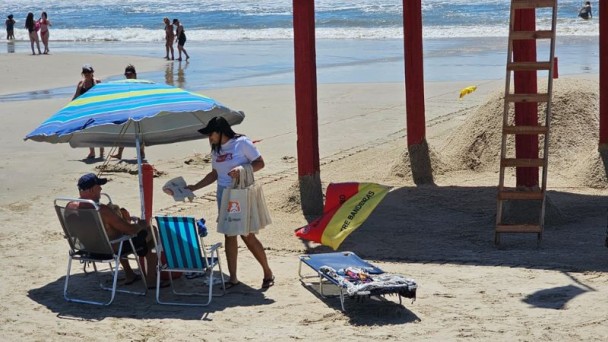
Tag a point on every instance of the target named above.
point(585, 11)
point(44, 31)
point(10, 27)
point(169, 38)
point(229, 151)
point(180, 36)
point(87, 82)
point(130, 74)
point(32, 29)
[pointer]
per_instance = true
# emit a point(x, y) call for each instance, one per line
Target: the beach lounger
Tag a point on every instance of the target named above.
point(185, 251)
point(355, 277)
point(89, 243)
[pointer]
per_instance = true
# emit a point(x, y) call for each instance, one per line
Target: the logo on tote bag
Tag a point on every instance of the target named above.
point(234, 207)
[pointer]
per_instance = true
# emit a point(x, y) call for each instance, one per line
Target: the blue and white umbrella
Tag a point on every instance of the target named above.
point(130, 113)
point(127, 112)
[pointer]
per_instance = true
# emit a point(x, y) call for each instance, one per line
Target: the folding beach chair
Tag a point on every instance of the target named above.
point(186, 252)
point(89, 243)
point(355, 277)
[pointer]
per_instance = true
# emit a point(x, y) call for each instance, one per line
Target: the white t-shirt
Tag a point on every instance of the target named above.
point(235, 152)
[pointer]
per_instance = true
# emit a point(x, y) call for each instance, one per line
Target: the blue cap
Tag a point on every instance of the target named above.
point(90, 180)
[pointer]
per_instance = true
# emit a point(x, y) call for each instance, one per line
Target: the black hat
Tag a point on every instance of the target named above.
point(216, 124)
point(90, 180)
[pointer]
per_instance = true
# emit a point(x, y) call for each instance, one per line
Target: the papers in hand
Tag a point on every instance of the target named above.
point(177, 188)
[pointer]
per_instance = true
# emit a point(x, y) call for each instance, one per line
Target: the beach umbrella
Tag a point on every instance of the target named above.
point(129, 113)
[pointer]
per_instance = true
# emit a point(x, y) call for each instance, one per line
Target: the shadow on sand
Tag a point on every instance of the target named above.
point(132, 306)
point(431, 224)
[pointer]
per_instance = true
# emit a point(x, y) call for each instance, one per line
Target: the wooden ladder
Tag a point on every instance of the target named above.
point(510, 129)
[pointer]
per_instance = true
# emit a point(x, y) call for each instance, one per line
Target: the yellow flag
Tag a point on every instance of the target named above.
point(353, 213)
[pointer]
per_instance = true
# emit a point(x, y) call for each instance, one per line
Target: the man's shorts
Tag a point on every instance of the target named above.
point(140, 243)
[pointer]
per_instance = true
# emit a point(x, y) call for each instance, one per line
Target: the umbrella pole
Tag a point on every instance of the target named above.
point(139, 171)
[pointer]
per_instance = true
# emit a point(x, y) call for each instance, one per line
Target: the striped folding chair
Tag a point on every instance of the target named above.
point(184, 251)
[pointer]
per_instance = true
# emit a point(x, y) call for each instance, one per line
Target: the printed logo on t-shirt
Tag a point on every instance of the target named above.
point(223, 157)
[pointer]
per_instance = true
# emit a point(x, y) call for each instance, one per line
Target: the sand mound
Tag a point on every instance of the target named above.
point(401, 166)
point(591, 171)
point(288, 200)
point(574, 134)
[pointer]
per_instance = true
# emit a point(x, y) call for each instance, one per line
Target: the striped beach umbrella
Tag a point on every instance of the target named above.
point(131, 112)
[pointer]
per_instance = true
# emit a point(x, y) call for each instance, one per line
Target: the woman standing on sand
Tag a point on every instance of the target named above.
point(88, 81)
point(32, 29)
point(44, 31)
point(229, 151)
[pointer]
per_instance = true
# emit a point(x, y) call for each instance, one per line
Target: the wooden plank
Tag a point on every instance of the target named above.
point(520, 195)
point(528, 66)
point(530, 130)
point(518, 228)
point(520, 98)
point(540, 34)
point(523, 4)
point(521, 162)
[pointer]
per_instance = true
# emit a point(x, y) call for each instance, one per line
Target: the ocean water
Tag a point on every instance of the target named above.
point(236, 43)
point(230, 20)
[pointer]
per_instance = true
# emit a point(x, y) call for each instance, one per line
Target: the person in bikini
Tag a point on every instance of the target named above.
point(88, 81)
point(44, 31)
point(169, 38)
point(130, 74)
point(32, 28)
point(10, 27)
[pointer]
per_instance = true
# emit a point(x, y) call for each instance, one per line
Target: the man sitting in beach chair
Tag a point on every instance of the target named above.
point(118, 222)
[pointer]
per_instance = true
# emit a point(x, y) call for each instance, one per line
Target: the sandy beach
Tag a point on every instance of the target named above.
point(441, 235)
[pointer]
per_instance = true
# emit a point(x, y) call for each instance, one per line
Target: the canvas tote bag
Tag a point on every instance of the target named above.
point(259, 217)
point(234, 211)
point(253, 211)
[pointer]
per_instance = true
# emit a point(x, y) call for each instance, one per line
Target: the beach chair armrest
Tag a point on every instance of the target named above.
point(215, 247)
point(122, 238)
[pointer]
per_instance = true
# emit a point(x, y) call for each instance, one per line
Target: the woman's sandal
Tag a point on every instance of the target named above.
point(267, 282)
point(228, 285)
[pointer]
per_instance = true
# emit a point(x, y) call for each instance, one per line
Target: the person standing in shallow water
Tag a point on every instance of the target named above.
point(32, 30)
point(180, 36)
point(44, 31)
point(586, 12)
point(10, 27)
point(169, 38)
